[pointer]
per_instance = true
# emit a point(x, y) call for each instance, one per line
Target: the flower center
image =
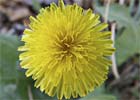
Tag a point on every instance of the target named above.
point(66, 46)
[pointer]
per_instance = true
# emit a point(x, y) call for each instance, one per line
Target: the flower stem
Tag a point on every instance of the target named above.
point(121, 2)
point(114, 65)
point(106, 11)
point(30, 93)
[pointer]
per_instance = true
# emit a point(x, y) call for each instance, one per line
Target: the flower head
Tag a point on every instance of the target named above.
point(65, 50)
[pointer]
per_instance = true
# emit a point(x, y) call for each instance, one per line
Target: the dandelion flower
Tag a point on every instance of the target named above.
point(66, 51)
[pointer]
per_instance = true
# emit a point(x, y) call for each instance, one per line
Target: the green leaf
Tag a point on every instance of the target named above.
point(9, 72)
point(118, 13)
point(99, 94)
point(7, 92)
point(14, 85)
point(103, 97)
point(99, 97)
point(127, 44)
point(8, 57)
point(37, 94)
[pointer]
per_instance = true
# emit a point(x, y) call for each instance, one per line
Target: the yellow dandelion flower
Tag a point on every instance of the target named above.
point(65, 50)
